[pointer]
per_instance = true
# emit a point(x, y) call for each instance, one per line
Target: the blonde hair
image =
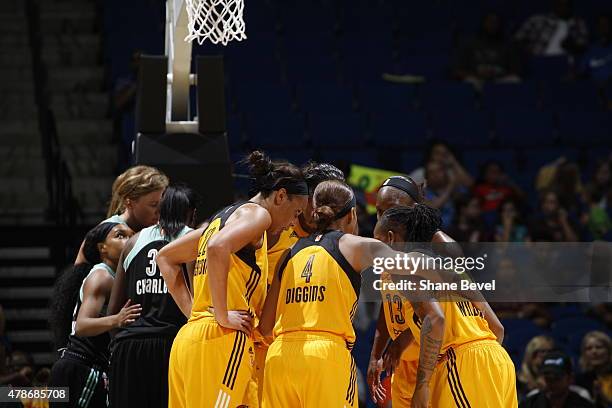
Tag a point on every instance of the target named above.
point(526, 375)
point(134, 183)
point(585, 364)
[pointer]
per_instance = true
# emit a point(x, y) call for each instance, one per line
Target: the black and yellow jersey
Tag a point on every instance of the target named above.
point(395, 309)
point(319, 289)
point(247, 277)
point(287, 239)
point(464, 323)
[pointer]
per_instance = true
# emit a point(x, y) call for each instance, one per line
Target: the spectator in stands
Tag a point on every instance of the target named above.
point(536, 349)
point(508, 288)
point(510, 226)
point(599, 221)
point(552, 223)
point(20, 368)
point(601, 186)
point(602, 181)
point(596, 366)
point(493, 187)
point(442, 152)
point(556, 377)
point(566, 183)
point(468, 225)
point(597, 60)
point(602, 311)
point(488, 56)
point(556, 33)
point(442, 188)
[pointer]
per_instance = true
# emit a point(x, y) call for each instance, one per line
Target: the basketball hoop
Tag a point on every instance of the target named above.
point(219, 21)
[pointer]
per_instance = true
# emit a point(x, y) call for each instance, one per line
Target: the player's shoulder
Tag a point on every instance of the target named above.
point(99, 278)
point(131, 242)
point(253, 211)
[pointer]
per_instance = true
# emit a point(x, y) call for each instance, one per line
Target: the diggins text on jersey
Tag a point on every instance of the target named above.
point(303, 294)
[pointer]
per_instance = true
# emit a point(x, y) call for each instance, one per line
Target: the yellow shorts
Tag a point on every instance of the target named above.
point(306, 370)
point(255, 388)
point(403, 382)
point(478, 374)
point(210, 366)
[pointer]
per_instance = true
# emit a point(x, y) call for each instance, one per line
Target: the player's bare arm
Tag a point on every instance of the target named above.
point(432, 334)
point(169, 260)
point(96, 291)
point(245, 227)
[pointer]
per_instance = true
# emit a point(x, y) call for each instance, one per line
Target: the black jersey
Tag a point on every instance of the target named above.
point(95, 348)
point(145, 286)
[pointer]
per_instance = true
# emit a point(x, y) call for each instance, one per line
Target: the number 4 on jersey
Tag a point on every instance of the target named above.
point(307, 272)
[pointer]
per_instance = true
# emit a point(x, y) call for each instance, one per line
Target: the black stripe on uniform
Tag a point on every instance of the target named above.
point(353, 310)
point(350, 392)
point(454, 374)
point(452, 385)
point(239, 360)
point(234, 362)
point(252, 283)
point(459, 379)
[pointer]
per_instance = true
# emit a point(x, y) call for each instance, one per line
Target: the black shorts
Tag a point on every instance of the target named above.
point(138, 374)
point(86, 382)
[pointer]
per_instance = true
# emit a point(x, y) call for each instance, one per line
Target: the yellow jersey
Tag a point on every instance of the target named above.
point(319, 289)
point(287, 239)
point(395, 309)
point(247, 276)
point(464, 323)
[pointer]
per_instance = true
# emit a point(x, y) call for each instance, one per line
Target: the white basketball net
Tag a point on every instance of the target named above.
point(219, 21)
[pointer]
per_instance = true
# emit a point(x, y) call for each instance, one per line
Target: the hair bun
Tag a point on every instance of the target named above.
point(323, 216)
point(259, 164)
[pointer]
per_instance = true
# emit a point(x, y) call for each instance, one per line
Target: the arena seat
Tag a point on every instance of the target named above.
point(548, 68)
point(574, 131)
point(448, 96)
point(249, 97)
point(395, 130)
point(432, 67)
point(463, 128)
point(387, 97)
point(523, 95)
point(325, 97)
point(335, 130)
point(567, 97)
point(524, 128)
point(274, 130)
point(565, 329)
point(345, 157)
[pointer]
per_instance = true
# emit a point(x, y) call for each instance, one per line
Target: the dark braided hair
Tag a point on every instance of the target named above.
point(315, 173)
point(417, 224)
point(61, 305)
